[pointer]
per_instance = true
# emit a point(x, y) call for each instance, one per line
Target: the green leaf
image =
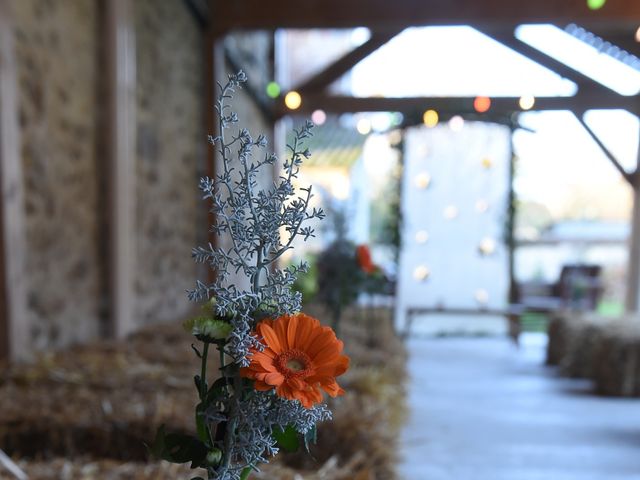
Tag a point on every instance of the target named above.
point(198, 383)
point(310, 438)
point(216, 389)
point(179, 448)
point(201, 426)
point(287, 439)
point(245, 473)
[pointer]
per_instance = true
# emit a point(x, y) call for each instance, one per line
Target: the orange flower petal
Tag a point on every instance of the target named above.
point(323, 342)
point(270, 337)
point(263, 360)
point(307, 328)
point(274, 378)
point(292, 330)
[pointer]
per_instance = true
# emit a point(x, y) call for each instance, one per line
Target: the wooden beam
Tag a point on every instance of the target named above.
point(384, 15)
point(334, 71)
point(121, 145)
point(509, 40)
point(456, 105)
point(215, 67)
point(14, 327)
point(256, 97)
point(614, 161)
point(632, 300)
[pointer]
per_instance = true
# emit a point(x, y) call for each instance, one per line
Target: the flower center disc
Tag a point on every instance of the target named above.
point(294, 363)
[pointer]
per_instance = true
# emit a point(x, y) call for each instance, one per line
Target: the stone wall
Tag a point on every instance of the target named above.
point(170, 155)
point(59, 51)
point(56, 48)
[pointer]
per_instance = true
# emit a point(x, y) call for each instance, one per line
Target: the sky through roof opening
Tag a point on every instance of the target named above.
point(452, 61)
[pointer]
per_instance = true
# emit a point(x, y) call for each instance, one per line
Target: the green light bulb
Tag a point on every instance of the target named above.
point(273, 90)
point(596, 4)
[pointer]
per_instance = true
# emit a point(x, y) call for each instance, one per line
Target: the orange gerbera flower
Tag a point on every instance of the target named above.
point(300, 358)
point(363, 254)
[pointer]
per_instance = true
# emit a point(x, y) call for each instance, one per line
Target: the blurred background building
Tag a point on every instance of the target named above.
point(496, 144)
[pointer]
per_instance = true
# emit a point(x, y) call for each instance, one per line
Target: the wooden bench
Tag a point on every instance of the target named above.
point(512, 313)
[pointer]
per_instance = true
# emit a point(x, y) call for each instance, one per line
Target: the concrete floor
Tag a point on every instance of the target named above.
point(483, 410)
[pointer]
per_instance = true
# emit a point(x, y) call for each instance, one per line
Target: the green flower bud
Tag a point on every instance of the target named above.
point(214, 456)
point(208, 329)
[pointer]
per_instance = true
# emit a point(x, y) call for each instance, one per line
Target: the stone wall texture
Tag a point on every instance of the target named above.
point(171, 149)
point(56, 47)
point(59, 51)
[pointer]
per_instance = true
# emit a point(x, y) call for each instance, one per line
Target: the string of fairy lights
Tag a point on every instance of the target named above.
point(431, 118)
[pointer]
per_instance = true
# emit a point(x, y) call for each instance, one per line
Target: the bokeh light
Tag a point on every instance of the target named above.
point(482, 205)
point(482, 104)
point(396, 118)
point(487, 246)
point(596, 4)
point(450, 212)
point(527, 102)
point(395, 137)
point(318, 117)
point(273, 89)
point(422, 236)
point(293, 100)
point(430, 118)
point(481, 296)
point(421, 273)
point(487, 163)
point(423, 180)
point(363, 126)
point(456, 123)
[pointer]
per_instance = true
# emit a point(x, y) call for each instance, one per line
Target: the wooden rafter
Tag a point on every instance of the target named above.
point(614, 161)
point(509, 40)
point(383, 15)
point(335, 70)
point(14, 329)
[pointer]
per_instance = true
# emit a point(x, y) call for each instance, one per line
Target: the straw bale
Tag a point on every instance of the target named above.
point(85, 413)
point(617, 371)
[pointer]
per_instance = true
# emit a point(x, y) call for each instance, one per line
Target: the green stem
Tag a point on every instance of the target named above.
point(203, 372)
point(221, 350)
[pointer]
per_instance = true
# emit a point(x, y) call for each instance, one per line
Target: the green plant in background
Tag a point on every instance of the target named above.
point(340, 278)
point(257, 402)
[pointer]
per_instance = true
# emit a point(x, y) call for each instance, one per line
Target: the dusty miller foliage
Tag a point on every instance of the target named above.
point(256, 227)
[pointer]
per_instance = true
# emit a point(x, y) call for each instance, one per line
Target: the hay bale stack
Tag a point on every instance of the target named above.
point(558, 331)
point(573, 342)
point(84, 413)
point(617, 371)
point(582, 344)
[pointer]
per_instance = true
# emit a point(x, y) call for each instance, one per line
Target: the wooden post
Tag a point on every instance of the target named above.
point(633, 272)
point(14, 328)
point(214, 63)
point(121, 152)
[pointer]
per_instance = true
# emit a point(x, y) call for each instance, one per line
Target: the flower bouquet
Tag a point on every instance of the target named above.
point(274, 363)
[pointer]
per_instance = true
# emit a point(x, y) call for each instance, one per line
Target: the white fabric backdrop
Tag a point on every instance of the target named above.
point(463, 205)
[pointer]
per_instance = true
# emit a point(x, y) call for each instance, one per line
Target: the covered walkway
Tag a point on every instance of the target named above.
point(482, 410)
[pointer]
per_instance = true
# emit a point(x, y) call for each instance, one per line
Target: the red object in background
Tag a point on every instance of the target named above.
point(363, 254)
